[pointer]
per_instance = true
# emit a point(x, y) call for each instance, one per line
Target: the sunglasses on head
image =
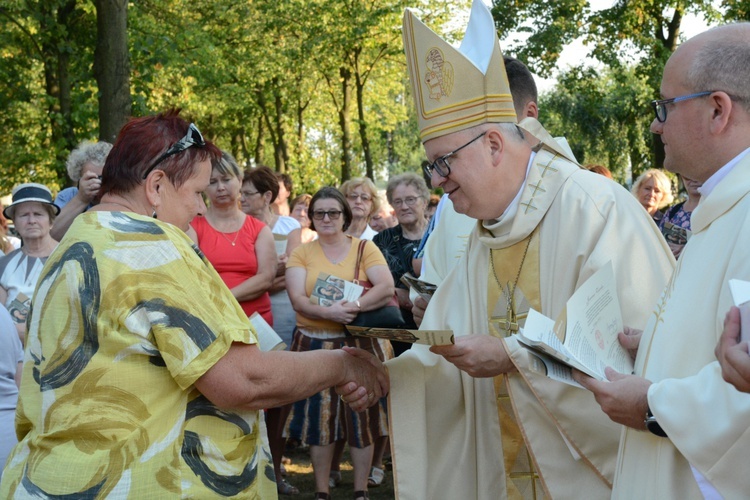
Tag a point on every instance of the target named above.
point(192, 138)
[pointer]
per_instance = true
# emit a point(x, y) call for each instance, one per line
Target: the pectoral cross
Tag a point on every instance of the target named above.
point(510, 312)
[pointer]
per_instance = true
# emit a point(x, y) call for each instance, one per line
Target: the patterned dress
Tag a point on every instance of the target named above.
point(127, 315)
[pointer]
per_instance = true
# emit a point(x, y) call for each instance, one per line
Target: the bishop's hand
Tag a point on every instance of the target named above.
point(478, 355)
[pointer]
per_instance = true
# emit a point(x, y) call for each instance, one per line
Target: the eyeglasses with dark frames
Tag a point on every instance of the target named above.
point(192, 138)
point(441, 165)
point(332, 214)
point(660, 105)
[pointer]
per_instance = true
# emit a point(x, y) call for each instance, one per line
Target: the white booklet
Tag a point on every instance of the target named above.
point(268, 339)
point(583, 337)
point(741, 296)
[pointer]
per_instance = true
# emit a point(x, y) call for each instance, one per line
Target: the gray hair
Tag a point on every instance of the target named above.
point(86, 152)
point(661, 180)
point(723, 63)
point(407, 179)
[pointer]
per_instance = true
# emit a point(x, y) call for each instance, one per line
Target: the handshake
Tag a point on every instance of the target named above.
point(365, 380)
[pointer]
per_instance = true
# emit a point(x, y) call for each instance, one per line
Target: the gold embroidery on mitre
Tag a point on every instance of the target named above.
point(443, 106)
point(439, 76)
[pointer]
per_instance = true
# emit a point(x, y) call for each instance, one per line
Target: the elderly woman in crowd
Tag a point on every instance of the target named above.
point(408, 195)
point(150, 364)
point(654, 191)
point(33, 213)
point(85, 164)
point(364, 201)
point(260, 187)
point(676, 221)
point(321, 328)
point(299, 208)
point(240, 247)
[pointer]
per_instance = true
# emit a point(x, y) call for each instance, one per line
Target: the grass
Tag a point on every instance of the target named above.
point(300, 474)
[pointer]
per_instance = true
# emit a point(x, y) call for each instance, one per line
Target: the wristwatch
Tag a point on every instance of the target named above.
point(652, 425)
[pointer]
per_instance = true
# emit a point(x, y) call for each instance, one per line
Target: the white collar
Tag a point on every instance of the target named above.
point(717, 177)
point(510, 212)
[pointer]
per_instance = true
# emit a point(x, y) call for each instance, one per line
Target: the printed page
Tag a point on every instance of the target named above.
point(427, 337)
point(551, 368)
point(594, 319)
point(538, 335)
point(329, 289)
point(268, 339)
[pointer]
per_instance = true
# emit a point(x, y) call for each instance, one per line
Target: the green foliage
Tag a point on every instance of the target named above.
point(604, 116)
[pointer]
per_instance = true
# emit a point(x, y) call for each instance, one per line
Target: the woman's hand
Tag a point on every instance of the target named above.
point(403, 299)
point(342, 312)
point(367, 380)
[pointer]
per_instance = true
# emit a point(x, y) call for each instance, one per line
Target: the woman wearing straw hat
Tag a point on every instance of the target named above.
point(33, 213)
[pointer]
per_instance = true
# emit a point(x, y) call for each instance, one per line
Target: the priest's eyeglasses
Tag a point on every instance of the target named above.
point(192, 138)
point(441, 165)
point(660, 105)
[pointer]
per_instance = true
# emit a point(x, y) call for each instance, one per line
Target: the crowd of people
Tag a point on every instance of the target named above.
point(133, 293)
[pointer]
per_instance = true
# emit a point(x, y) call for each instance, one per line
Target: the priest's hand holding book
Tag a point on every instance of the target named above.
point(624, 398)
point(478, 355)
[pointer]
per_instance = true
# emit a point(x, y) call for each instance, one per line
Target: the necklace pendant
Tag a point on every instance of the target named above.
point(233, 243)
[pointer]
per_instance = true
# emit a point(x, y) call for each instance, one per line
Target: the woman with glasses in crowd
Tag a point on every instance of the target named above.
point(320, 326)
point(408, 195)
point(260, 187)
point(364, 202)
point(142, 377)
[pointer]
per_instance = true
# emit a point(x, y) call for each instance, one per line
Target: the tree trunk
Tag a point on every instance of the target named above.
point(57, 81)
point(282, 153)
point(363, 126)
point(112, 67)
point(260, 127)
point(345, 123)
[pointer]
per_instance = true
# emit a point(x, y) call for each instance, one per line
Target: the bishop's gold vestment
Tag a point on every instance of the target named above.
point(445, 424)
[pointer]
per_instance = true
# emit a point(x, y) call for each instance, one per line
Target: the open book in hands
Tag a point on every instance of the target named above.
point(583, 337)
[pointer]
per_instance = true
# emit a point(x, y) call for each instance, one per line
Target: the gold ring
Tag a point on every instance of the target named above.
point(342, 399)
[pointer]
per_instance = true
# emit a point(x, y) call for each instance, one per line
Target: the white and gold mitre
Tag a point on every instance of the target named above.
point(455, 89)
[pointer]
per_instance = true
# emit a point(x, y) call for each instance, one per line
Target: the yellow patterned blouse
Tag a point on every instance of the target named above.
point(127, 315)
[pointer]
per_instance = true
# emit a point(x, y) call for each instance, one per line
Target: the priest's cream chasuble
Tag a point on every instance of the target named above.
point(706, 419)
point(446, 428)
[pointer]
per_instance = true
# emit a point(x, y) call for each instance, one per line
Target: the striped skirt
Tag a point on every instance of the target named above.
point(323, 418)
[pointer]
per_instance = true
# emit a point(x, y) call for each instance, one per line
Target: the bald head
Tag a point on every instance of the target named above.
point(709, 124)
point(720, 60)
